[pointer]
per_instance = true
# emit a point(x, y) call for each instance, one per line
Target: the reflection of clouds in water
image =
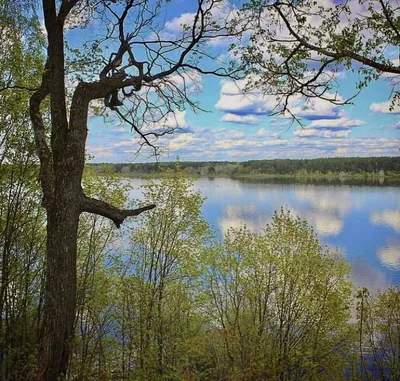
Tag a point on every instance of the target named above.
point(387, 217)
point(324, 224)
point(390, 255)
point(136, 192)
point(363, 274)
point(324, 199)
point(327, 208)
point(236, 216)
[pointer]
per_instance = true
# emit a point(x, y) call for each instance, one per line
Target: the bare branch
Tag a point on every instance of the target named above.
point(18, 87)
point(105, 209)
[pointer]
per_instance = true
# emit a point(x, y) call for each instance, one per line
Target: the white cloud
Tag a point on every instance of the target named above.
point(218, 20)
point(341, 151)
point(191, 81)
point(234, 100)
point(317, 108)
point(245, 119)
point(177, 23)
point(174, 119)
point(386, 107)
point(80, 15)
point(262, 132)
point(342, 122)
point(326, 134)
point(214, 143)
point(185, 141)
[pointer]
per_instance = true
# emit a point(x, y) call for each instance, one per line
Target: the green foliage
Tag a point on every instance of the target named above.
point(97, 271)
point(279, 304)
point(171, 304)
point(379, 329)
point(158, 308)
point(22, 222)
point(299, 47)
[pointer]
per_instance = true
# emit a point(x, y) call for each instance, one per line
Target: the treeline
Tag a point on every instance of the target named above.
point(324, 167)
point(171, 302)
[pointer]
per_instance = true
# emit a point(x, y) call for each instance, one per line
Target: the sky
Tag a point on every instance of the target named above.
point(236, 126)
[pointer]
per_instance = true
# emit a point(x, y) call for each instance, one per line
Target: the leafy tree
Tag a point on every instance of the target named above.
point(97, 273)
point(138, 82)
point(158, 297)
point(379, 329)
point(279, 304)
point(22, 232)
point(299, 47)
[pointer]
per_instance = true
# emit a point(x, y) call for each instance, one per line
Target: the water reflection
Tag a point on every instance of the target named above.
point(359, 220)
point(390, 254)
point(362, 221)
point(387, 217)
point(324, 223)
point(363, 274)
point(323, 199)
point(236, 216)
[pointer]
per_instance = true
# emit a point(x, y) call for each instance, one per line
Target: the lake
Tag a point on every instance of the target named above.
point(361, 221)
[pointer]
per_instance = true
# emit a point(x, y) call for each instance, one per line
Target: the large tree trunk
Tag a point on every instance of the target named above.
point(60, 290)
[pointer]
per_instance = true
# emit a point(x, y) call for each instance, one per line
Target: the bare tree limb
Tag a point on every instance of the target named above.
point(104, 209)
point(18, 87)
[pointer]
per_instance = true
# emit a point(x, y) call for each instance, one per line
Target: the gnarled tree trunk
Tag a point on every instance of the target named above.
point(62, 152)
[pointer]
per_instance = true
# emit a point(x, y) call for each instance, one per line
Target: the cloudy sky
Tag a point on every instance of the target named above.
point(236, 125)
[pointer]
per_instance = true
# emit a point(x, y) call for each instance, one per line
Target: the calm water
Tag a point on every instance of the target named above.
point(362, 222)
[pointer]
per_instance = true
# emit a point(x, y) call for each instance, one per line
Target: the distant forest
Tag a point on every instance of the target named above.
point(324, 167)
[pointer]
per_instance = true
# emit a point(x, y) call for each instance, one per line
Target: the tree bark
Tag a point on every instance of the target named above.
point(60, 289)
point(62, 160)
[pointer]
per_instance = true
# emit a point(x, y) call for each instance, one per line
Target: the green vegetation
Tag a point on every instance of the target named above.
point(329, 168)
point(162, 300)
point(173, 303)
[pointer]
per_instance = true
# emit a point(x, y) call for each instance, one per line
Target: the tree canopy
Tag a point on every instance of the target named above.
point(300, 48)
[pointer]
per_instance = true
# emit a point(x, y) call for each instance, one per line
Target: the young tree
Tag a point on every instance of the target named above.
point(378, 319)
point(22, 219)
point(159, 317)
point(279, 304)
point(299, 47)
point(97, 264)
point(141, 67)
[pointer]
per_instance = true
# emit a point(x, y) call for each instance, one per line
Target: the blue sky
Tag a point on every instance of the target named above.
point(237, 126)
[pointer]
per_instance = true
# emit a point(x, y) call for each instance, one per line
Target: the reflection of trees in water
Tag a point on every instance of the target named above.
point(374, 182)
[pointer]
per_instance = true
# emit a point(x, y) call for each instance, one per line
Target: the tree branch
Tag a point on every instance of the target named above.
point(345, 53)
point(18, 87)
point(42, 148)
point(105, 209)
point(389, 19)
